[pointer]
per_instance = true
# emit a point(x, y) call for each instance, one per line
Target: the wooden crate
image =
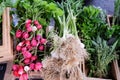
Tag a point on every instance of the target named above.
point(37, 75)
point(90, 78)
point(116, 68)
point(9, 74)
point(114, 72)
point(109, 20)
point(6, 52)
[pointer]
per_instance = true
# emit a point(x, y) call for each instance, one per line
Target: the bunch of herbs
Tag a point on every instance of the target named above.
point(95, 33)
point(116, 25)
point(101, 57)
point(91, 22)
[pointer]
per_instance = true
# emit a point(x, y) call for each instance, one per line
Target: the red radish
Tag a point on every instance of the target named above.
point(18, 34)
point(38, 37)
point(29, 29)
point(41, 47)
point(27, 25)
point(27, 42)
point(27, 54)
point(27, 61)
point(25, 35)
point(38, 66)
point(18, 48)
point(36, 22)
point(20, 67)
point(25, 76)
point(32, 66)
point(24, 49)
point(21, 77)
point(43, 41)
point(20, 71)
point(15, 73)
point(39, 26)
point(29, 47)
point(21, 43)
point(15, 67)
point(33, 58)
point(34, 42)
point(28, 21)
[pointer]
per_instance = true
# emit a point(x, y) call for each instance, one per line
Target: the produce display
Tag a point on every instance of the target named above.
point(68, 52)
point(55, 38)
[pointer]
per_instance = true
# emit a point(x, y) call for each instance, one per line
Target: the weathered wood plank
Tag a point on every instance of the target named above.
point(6, 49)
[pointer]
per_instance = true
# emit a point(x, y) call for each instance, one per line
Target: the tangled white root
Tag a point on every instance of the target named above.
point(65, 60)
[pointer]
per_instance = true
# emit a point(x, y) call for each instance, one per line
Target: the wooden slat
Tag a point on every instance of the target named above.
point(6, 49)
point(116, 70)
point(35, 74)
point(108, 20)
point(89, 78)
point(8, 73)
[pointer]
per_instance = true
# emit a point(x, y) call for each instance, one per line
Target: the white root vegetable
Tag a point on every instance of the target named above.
point(65, 60)
point(68, 48)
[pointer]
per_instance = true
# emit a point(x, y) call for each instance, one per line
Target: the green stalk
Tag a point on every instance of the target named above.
point(64, 27)
point(68, 23)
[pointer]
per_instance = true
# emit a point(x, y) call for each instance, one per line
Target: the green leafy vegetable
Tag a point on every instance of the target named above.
point(90, 23)
point(67, 23)
point(40, 10)
point(103, 56)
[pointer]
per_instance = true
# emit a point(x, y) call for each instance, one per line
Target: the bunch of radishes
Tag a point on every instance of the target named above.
point(31, 41)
